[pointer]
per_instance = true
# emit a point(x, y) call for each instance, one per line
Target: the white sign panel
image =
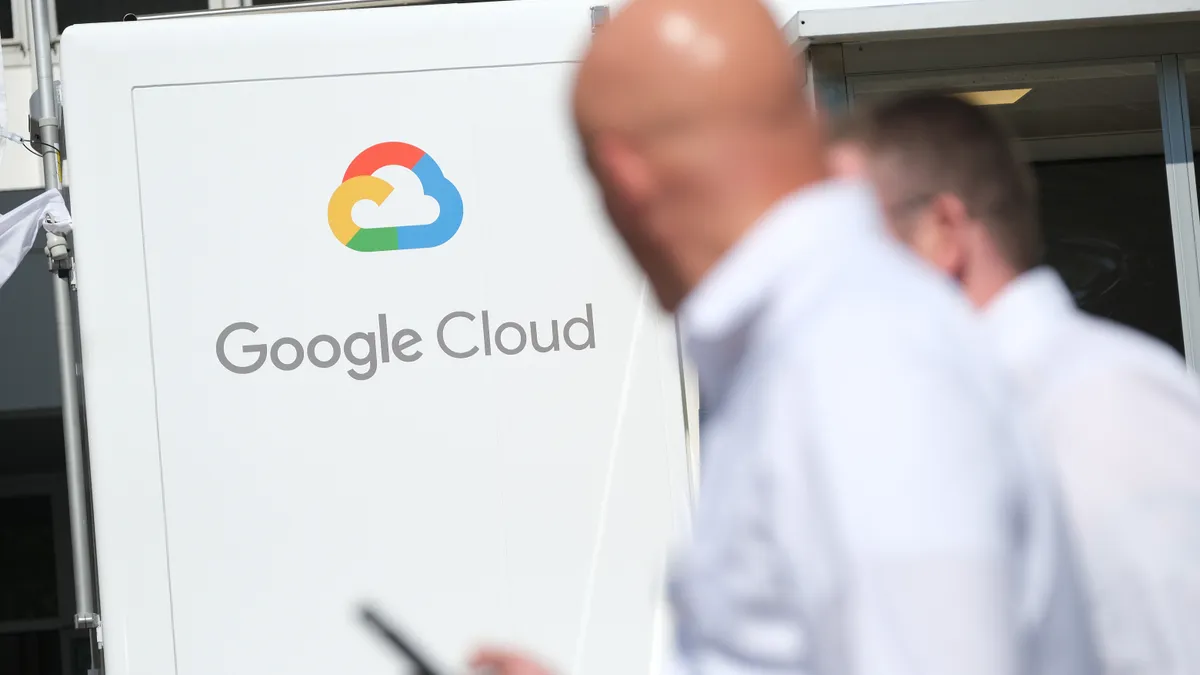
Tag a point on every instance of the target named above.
point(393, 354)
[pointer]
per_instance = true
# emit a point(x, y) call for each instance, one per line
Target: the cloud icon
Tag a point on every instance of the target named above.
point(406, 206)
point(394, 197)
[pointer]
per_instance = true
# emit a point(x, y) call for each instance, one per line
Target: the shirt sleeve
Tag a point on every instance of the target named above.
point(1127, 446)
point(914, 474)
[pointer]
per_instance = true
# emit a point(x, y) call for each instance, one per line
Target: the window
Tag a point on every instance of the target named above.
point(6, 20)
point(68, 12)
point(36, 592)
point(27, 554)
point(31, 653)
point(1108, 227)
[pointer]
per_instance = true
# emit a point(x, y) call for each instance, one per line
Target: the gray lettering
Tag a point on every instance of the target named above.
point(259, 349)
point(405, 344)
point(333, 344)
point(487, 335)
point(500, 341)
point(369, 360)
point(411, 338)
point(383, 336)
point(441, 335)
point(553, 346)
point(288, 342)
point(590, 342)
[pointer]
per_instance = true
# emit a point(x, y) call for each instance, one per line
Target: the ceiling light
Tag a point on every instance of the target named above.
point(993, 96)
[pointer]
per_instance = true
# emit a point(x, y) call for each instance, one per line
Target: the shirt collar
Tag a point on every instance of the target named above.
point(1021, 318)
point(715, 312)
point(741, 279)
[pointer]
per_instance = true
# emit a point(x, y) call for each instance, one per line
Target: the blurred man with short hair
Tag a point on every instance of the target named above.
point(1118, 411)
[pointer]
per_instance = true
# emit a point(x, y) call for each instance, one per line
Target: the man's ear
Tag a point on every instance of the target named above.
point(848, 160)
point(946, 231)
point(624, 169)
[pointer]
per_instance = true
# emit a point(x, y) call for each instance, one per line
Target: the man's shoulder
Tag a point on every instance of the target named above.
point(894, 302)
point(1093, 352)
point(884, 308)
point(1128, 344)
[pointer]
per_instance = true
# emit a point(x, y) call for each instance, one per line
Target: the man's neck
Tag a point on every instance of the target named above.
point(712, 230)
point(988, 283)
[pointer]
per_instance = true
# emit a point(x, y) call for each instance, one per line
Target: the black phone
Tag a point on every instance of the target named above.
point(393, 636)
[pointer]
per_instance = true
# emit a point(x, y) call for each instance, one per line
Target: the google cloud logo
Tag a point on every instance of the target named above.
point(433, 206)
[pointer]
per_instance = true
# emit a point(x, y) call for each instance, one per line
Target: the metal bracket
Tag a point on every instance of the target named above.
point(58, 249)
point(599, 17)
point(91, 623)
point(39, 118)
point(87, 621)
point(59, 258)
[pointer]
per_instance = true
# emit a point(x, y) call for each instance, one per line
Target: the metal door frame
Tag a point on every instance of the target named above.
point(1181, 186)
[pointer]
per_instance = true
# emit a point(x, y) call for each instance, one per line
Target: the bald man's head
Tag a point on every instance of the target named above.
point(692, 117)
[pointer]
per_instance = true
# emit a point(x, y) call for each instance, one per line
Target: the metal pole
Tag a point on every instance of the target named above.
point(58, 251)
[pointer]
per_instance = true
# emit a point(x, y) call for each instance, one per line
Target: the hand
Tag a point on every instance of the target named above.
point(504, 662)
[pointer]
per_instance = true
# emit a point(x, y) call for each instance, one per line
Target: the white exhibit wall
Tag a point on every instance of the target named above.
point(417, 448)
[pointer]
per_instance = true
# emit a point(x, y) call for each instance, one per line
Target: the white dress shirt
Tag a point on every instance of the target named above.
point(865, 503)
point(1121, 416)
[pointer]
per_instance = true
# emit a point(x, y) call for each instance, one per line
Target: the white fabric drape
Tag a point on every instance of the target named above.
point(19, 228)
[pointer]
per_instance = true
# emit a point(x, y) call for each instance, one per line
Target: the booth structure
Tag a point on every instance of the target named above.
point(483, 424)
point(1098, 94)
point(354, 330)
